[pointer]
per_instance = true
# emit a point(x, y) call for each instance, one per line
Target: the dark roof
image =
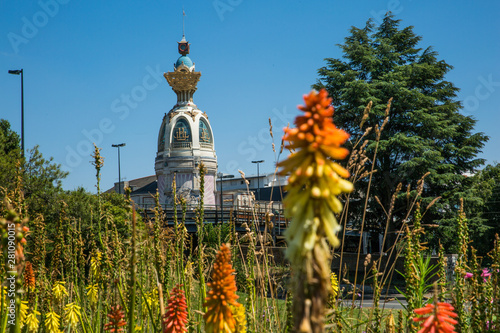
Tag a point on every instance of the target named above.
point(149, 188)
point(138, 183)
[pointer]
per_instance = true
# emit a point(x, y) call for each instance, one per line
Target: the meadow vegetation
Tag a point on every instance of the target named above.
point(80, 262)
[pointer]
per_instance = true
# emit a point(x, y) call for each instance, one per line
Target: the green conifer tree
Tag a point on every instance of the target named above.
point(426, 131)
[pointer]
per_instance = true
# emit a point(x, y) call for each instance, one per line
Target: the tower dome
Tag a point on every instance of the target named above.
point(184, 60)
point(185, 139)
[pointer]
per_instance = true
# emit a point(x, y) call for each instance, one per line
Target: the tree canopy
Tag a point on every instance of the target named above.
point(40, 178)
point(426, 131)
point(10, 153)
point(35, 186)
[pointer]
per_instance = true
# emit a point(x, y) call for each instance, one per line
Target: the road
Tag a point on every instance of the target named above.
point(394, 302)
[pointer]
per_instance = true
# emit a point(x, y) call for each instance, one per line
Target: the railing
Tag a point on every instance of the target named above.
point(259, 206)
point(239, 215)
point(178, 145)
point(206, 145)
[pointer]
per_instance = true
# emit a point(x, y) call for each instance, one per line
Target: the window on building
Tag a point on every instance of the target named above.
point(205, 135)
point(161, 139)
point(181, 136)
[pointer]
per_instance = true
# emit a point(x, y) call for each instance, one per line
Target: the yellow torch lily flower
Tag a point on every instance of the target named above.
point(315, 179)
point(93, 293)
point(52, 322)
point(311, 203)
point(72, 314)
point(59, 290)
point(32, 322)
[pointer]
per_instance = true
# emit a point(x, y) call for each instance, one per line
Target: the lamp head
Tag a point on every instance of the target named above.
point(15, 71)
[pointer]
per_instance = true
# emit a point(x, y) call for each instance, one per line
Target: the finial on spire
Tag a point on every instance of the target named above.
point(183, 32)
point(183, 44)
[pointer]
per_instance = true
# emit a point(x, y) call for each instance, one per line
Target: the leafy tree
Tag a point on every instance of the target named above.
point(425, 133)
point(62, 212)
point(42, 184)
point(492, 209)
point(487, 192)
point(41, 178)
point(83, 208)
point(477, 191)
point(118, 209)
point(10, 154)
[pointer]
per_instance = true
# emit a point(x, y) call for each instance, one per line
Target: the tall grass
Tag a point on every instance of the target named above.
point(99, 274)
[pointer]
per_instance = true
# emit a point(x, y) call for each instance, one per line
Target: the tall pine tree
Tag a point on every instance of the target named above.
point(426, 131)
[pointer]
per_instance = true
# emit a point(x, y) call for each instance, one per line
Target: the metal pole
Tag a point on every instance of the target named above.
point(258, 178)
point(221, 203)
point(221, 177)
point(216, 207)
point(119, 174)
point(258, 182)
point(22, 111)
point(119, 169)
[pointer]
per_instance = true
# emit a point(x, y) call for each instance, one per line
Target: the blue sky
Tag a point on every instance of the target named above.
point(93, 71)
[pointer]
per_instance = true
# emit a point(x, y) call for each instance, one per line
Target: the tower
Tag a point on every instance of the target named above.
point(185, 139)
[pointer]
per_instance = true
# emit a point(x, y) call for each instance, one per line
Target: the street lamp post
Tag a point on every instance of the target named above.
point(258, 178)
point(17, 72)
point(119, 172)
point(222, 176)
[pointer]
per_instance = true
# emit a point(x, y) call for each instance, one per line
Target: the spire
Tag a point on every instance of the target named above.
point(183, 79)
point(183, 16)
point(183, 47)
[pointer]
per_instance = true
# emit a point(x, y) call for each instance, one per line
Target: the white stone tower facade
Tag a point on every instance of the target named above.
point(185, 139)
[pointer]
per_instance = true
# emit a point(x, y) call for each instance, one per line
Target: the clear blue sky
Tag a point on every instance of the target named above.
point(257, 58)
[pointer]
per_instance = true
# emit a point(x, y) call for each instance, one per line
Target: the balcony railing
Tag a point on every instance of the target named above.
point(206, 145)
point(180, 145)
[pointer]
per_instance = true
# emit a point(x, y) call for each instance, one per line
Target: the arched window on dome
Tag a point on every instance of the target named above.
point(205, 135)
point(161, 138)
point(181, 136)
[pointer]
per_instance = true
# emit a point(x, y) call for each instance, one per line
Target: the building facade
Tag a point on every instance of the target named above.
point(185, 139)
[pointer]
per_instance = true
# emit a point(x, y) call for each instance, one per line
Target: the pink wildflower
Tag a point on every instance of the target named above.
point(485, 274)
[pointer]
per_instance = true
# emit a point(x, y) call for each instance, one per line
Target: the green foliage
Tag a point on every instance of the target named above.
point(83, 207)
point(81, 204)
point(481, 197)
point(41, 178)
point(488, 191)
point(459, 288)
point(62, 213)
point(42, 183)
point(478, 192)
point(424, 273)
point(425, 133)
point(10, 153)
point(118, 209)
point(216, 234)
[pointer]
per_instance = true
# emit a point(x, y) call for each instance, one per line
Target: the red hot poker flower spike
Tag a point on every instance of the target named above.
point(175, 319)
point(439, 319)
point(222, 294)
point(116, 316)
point(29, 277)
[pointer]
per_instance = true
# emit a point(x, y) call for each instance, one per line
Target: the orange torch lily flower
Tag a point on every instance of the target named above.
point(175, 319)
point(222, 294)
point(116, 320)
point(440, 319)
